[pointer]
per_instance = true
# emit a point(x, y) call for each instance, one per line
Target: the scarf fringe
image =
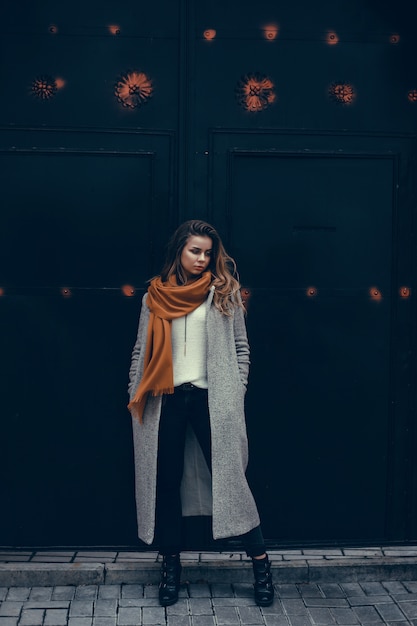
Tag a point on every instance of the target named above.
point(162, 392)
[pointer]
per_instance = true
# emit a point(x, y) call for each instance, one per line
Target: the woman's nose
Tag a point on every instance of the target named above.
point(201, 257)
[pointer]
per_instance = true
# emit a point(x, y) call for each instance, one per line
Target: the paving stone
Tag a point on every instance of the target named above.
point(105, 621)
point(367, 614)
point(233, 602)
point(56, 617)
point(299, 620)
point(96, 555)
point(345, 616)
point(40, 593)
point(400, 552)
point(47, 604)
point(219, 556)
point(203, 620)
point(325, 552)
point(140, 556)
point(370, 600)
point(227, 615)
point(373, 589)
point(18, 593)
point(178, 620)
point(3, 593)
point(287, 591)
point(275, 620)
point(326, 602)
point(250, 615)
point(151, 591)
point(220, 590)
point(138, 602)
point(411, 585)
point(109, 592)
point(199, 590)
point(409, 609)
point(105, 608)
point(394, 586)
point(190, 556)
point(63, 593)
point(81, 608)
point(408, 597)
point(294, 607)
point(362, 552)
point(10, 608)
point(310, 590)
point(80, 621)
point(153, 615)
point(275, 608)
point(132, 591)
point(51, 559)
point(32, 617)
point(179, 608)
point(321, 616)
point(201, 606)
point(8, 621)
point(129, 616)
point(332, 590)
point(352, 589)
point(243, 590)
point(390, 612)
point(86, 592)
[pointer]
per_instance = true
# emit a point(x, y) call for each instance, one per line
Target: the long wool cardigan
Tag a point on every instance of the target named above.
point(225, 493)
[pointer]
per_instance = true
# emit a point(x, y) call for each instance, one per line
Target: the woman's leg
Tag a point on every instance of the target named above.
point(255, 548)
point(168, 500)
point(254, 543)
point(170, 467)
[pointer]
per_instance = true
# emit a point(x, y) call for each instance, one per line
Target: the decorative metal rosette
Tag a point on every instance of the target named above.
point(133, 89)
point(412, 95)
point(255, 92)
point(44, 87)
point(342, 93)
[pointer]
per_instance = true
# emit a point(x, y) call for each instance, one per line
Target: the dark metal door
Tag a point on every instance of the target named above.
point(293, 131)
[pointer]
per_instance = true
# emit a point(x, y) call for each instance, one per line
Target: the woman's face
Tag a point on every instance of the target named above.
point(196, 255)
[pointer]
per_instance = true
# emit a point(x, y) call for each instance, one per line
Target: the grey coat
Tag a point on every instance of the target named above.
point(224, 494)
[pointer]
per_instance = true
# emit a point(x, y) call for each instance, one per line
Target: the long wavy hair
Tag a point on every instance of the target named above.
point(222, 266)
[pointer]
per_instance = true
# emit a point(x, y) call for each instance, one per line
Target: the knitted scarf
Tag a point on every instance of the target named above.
point(166, 301)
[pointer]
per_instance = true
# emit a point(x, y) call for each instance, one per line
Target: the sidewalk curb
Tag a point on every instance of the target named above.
point(343, 570)
point(50, 574)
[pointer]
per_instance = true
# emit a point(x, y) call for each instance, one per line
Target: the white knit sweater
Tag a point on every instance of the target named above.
point(189, 350)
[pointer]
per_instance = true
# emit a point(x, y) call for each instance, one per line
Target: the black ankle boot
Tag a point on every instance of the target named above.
point(264, 589)
point(170, 580)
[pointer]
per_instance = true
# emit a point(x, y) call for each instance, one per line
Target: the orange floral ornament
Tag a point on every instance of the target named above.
point(44, 87)
point(255, 92)
point(133, 89)
point(342, 93)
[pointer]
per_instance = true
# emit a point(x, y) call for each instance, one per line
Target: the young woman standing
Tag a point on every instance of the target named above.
point(188, 379)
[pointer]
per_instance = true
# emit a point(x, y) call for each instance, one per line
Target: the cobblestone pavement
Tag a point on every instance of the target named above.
point(345, 604)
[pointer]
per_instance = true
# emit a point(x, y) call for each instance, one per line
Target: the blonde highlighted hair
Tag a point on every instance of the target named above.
point(222, 266)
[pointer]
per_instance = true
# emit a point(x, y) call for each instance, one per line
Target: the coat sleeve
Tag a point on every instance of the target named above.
point(138, 347)
point(241, 344)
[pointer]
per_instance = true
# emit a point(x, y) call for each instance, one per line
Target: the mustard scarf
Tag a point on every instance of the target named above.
point(166, 301)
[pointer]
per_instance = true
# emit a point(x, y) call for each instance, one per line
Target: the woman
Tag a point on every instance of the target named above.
point(187, 386)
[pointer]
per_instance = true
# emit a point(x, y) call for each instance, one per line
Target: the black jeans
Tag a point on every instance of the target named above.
point(179, 409)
